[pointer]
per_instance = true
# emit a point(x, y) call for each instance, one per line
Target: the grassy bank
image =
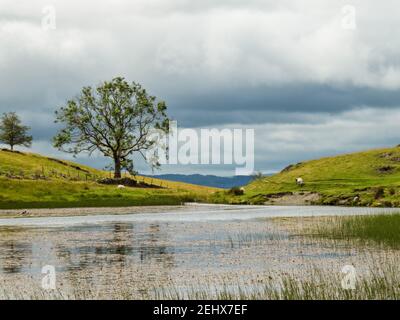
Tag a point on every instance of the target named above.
point(58, 194)
point(62, 194)
point(369, 178)
point(34, 181)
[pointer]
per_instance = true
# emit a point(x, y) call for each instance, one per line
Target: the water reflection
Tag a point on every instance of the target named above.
point(14, 254)
point(114, 244)
point(25, 249)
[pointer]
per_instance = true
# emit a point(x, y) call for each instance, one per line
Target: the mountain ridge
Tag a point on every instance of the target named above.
point(207, 180)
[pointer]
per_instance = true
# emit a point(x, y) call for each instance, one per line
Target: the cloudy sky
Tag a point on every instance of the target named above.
point(312, 78)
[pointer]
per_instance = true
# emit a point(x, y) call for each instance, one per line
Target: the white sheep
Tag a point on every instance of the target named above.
point(120, 186)
point(299, 181)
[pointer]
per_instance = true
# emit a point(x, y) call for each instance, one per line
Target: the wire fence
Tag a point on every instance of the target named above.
point(46, 173)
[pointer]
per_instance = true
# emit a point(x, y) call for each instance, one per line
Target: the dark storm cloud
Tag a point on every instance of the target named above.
point(289, 104)
point(284, 104)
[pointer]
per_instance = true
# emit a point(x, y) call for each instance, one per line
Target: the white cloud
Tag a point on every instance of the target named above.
point(210, 44)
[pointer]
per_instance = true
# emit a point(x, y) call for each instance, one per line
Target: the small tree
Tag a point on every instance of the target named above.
point(12, 132)
point(115, 118)
point(258, 176)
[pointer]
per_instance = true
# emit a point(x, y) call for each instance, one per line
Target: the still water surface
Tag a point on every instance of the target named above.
point(192, 244)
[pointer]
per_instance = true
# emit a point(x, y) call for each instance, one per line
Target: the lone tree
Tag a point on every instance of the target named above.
point(12, 132)
point(116, 118)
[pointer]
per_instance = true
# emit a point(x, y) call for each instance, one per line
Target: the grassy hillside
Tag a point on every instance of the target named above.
point(370, 178)
point(33, 181)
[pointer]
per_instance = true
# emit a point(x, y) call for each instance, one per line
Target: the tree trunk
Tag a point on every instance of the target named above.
point(117, 168)
point(12, 147)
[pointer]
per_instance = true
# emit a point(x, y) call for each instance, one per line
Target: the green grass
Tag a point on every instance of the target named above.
point(336, 179)
point(380, 229)
point(33, 181)
point(64, 194)
point(34, 166)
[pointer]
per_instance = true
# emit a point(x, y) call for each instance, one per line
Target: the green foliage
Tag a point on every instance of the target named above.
point(117, 118)
point(12, 132)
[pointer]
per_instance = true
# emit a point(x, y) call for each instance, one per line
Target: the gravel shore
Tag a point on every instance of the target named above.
point(68, 212)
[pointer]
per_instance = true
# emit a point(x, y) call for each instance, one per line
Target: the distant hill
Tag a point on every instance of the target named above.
point(368, 178)
point(208, 180)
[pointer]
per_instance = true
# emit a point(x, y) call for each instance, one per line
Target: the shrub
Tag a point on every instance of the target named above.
point(387, 204)
point(236, 191)
point(379, 192)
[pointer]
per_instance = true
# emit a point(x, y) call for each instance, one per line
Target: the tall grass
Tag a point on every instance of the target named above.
point(381, 282)
point(380, 229)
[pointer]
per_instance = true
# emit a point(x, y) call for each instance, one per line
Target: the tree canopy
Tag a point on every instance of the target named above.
point(116, 118)
point(12, 132)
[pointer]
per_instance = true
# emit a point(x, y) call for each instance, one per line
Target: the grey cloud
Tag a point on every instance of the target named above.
point(262, 64)
point(283, 104)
